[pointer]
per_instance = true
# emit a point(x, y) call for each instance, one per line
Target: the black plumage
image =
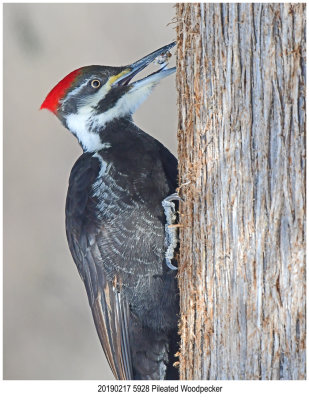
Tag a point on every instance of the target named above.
point(115, 219)
point(115, 229)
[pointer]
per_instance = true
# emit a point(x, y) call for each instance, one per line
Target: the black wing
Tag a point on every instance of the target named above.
point(109, 308)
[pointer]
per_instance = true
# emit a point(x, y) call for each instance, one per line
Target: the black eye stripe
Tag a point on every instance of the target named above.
point(110, 99)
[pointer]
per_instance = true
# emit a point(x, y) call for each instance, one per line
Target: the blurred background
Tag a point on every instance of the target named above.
point(48, 328)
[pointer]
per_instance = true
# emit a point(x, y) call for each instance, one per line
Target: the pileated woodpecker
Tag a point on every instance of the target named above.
point(115, 222)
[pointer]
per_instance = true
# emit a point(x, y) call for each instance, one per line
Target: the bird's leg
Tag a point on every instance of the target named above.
point(171, 239)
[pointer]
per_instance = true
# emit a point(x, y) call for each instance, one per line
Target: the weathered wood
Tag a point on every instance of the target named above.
point(241, 85)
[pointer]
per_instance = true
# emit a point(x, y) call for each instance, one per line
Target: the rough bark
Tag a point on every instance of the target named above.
point(241, 85)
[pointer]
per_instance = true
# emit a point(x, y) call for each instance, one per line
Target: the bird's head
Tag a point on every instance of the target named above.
point(89, 98)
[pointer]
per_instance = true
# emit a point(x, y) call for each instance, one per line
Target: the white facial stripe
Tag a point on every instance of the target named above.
point(92, 101)
point(78, 124)
point(86, 124)
point(75, 91)
point(126, 105)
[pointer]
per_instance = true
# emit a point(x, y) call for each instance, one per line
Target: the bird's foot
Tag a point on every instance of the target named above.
point(171, 237)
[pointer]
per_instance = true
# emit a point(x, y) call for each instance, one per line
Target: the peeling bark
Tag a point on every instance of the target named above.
point(241, 85)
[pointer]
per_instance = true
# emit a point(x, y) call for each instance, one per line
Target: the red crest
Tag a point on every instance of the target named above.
point(57, 93)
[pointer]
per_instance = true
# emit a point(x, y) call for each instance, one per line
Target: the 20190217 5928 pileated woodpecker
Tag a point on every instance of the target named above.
point(115, 222)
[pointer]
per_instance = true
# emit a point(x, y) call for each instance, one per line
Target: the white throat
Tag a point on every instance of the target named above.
point(90, 140)
point(86, 123)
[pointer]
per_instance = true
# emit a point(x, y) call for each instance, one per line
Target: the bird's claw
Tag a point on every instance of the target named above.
point(173, 197)
point(171, 239)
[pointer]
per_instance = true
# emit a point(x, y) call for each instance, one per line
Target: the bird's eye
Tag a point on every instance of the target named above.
point(95, 83)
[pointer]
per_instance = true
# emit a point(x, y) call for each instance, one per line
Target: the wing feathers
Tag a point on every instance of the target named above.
point(110, 313)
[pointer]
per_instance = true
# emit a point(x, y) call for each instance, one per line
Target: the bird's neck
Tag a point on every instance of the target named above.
point(93, 137)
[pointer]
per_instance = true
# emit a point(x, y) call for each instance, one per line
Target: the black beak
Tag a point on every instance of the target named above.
point(161, 56)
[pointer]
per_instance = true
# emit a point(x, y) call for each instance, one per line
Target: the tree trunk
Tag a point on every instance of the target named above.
point(241, 85)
